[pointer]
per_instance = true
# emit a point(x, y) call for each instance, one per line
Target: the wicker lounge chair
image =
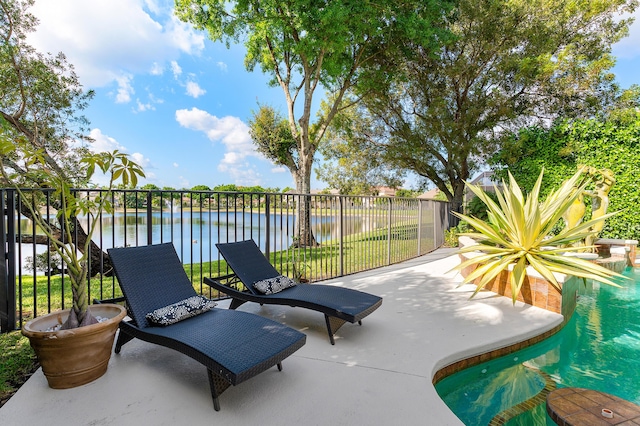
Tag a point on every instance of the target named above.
point(234, 346)
point(249, 265)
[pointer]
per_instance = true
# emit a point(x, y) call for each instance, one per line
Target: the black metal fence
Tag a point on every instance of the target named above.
point(351, 234)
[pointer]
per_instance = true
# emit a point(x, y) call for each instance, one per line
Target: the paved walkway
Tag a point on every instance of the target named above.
point(377, 374)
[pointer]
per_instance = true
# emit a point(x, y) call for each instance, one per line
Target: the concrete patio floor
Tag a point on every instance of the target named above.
point(377, 374)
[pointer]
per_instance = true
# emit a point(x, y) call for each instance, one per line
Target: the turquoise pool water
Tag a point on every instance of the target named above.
point(598, 349)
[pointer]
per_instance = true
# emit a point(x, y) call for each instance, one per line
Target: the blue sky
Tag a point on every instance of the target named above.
point(173, 100)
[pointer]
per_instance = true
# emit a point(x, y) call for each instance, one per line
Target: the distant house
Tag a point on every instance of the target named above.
point(384, 191)
point(485, 181)
point(429, 195)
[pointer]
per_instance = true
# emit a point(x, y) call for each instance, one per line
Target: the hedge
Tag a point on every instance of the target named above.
point(601, 144)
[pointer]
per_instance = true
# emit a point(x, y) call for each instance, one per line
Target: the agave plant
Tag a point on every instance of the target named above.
point(518, 233)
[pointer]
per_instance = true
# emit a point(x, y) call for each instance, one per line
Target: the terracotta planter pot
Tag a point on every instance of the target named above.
point(78, 356)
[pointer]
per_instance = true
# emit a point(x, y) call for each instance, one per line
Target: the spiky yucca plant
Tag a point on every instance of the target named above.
point(518, 232)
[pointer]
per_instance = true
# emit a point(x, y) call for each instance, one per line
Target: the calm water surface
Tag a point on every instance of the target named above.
point(598, 349)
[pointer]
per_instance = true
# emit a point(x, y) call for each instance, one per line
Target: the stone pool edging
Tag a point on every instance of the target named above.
point(536, 291)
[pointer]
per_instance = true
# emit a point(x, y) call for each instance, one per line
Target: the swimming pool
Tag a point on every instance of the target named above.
point(599, 348)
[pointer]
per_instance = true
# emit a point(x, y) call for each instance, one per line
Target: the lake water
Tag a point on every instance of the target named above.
point(194, 234)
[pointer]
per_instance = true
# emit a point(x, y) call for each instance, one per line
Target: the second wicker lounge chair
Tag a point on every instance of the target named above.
point(338, 304)
point(234, 346)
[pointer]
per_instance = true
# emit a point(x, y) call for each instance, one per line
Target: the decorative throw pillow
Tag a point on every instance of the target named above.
point(274, 285)
point(181, 310)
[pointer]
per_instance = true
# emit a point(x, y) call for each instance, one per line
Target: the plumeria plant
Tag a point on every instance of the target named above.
point(60, 229)
point(519, 233)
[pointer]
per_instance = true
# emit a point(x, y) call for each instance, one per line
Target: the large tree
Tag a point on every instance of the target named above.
point(40, 104)
point(355, 171)
point(511, 62)
point(306, 44)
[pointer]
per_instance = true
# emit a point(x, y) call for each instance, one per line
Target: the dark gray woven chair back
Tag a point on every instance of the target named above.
point(150, 277)
point(248, 262)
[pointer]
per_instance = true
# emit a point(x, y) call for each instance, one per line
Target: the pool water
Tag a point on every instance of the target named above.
point(599, 348)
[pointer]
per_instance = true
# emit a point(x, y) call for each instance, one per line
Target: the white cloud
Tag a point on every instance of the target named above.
point(176, 165)
point(175, 68)
point(279, 169)
point(152, 5)
point(242, 174)
point(102, 142)
point(184, 37)
point(150, 105)
point(125, 90)
point(194, 90)
point(156, 69)
point(231, 131)
point(105, 39)
point(222, 66)
point(144, 107)
point(142, 161)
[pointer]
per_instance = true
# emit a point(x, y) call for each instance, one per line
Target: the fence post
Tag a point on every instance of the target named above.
point(419, 227)
point(267, 226)
point(8, 251)
point(389, 232)
point(340, 236)
point(150, 220)
point(437, 223)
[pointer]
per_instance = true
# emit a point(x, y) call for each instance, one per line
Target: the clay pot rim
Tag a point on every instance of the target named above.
point(29, 331)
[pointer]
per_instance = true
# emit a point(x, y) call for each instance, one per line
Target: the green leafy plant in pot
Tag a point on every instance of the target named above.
point(54, 335)
point(518, 234)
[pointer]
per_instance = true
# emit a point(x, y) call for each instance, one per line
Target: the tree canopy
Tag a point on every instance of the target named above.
point(40, 97)
point(304, 45)
point(510, 63)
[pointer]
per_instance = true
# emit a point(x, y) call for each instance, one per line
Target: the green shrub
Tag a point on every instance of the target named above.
point(451, 234)
point(611, 144)
point(477, 208)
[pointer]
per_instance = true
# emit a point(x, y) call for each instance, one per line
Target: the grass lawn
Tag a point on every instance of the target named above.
point(18, 363)
point(41, 294)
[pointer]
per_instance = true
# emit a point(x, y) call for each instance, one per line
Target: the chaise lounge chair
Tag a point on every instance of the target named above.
point(234, 346)
point(250, 266)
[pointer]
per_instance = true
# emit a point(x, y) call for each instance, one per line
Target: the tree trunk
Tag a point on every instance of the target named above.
point(304, 232)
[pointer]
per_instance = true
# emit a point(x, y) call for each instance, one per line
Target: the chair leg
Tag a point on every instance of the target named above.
point(279, 366)
point(217, 385)
point(236, 303)
point(123, 338)
point(333, 324)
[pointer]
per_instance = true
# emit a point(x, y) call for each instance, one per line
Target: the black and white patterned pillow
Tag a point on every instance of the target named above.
point(274, 285)
point(181, 310)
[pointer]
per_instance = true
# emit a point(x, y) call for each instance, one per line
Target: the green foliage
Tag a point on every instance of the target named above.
point(305, 45)
point(115, 165)
point(407, 193)
point(610, 144)
point(226, 188)
point(47, 262)
point(509, 61)
point(451, 234)
point(272, 136)
point(477, 208)
point(518, 232)
point(40, 99)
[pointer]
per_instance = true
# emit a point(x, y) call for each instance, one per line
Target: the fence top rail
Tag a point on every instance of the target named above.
point(160, 192)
